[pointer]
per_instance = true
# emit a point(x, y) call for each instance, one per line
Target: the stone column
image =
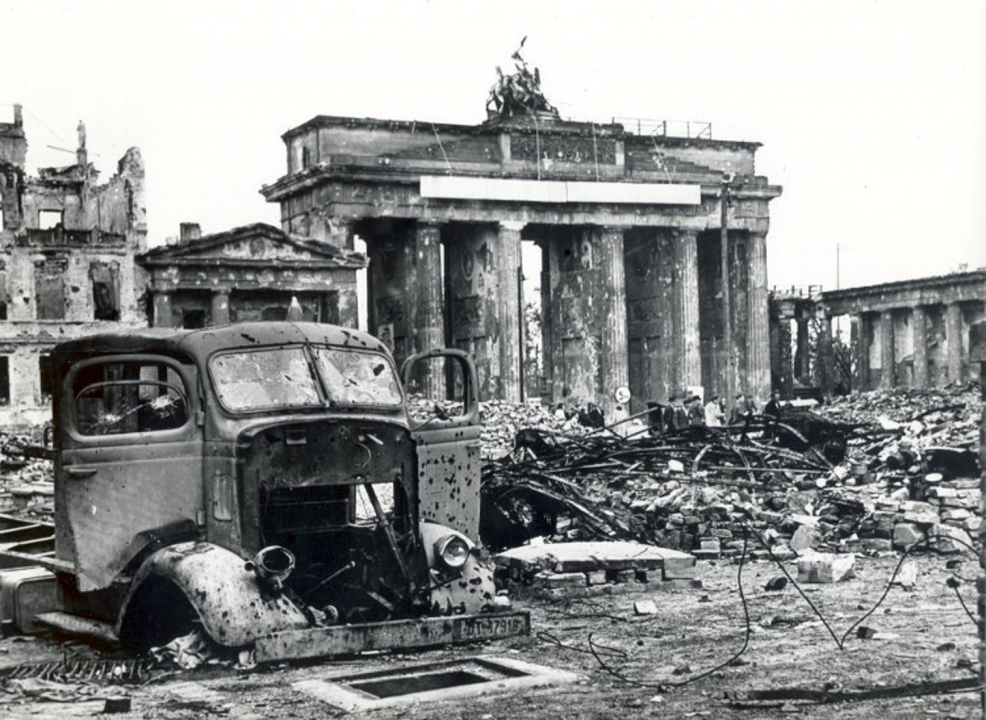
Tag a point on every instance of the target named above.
point(613, 356)
point(802, 352)
point(826, 357)
point(220, 308)
point(686, 327)
point(888, 363)
point(758, 337)
point(861, 340)
point(162, 309)
point(953, 340)
point(508, 304)
point(919, 326)
point(425, 286)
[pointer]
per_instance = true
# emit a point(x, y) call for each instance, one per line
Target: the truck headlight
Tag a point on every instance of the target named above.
point(453, 550)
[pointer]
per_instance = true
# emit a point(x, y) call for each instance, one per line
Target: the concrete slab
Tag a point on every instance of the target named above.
point(468, 677)
point(600, 555)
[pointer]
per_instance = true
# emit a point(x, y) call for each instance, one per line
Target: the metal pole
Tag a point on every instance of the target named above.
point(727, 325)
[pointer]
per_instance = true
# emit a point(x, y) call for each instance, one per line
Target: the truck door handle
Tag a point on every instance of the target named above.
point(78, 473)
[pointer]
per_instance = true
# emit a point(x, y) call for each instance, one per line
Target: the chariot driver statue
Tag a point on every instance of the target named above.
point(518, 93)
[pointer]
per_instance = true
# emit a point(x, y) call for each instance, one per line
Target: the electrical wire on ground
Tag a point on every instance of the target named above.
point(598, 650)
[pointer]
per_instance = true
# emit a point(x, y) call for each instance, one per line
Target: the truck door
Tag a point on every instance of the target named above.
point(130, 467)
point(446, 426)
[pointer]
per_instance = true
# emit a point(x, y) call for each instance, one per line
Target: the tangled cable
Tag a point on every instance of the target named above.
point(598, 651)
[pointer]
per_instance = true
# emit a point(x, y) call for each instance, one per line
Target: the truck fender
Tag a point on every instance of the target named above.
point(468, 590)
point(233, 608)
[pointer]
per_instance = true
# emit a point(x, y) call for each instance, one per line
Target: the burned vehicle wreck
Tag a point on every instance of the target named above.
point(265, 483)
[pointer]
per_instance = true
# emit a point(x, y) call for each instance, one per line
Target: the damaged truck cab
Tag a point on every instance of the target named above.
point(266, 483)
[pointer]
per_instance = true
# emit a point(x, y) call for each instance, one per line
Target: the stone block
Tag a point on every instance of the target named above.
point(907, 576)
point(876, 544)
point(968, 503)
point(554, 581)
point(596, 577)
point(955, 514)
point(906, 535)
point(962, 483)
point(884, 521)
point(678, 568)
point(942, 492)
point(950, 539)
point(916, 506)
point(972, 524)
point(644, 607)
point(924, 517)
point(825, 567)
point(805, 538)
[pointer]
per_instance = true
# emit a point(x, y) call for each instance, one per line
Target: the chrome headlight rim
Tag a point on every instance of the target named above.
point(453, 550)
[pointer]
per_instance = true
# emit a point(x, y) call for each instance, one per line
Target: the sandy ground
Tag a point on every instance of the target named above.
point(924, 635)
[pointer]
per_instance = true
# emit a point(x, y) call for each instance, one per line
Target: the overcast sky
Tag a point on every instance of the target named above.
point(871, 113)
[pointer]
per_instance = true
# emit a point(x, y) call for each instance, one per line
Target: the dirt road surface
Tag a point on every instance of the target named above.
point(923, 636)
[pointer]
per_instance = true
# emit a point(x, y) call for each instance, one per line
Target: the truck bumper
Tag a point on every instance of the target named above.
point(395, 634)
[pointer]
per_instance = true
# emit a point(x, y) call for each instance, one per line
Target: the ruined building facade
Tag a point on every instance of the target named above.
point(653, 248)
point(908, 334)
point(254, 272)
point(67, 249)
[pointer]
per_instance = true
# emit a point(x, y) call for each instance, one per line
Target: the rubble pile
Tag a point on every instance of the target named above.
point(26, 476)
point(874, 472)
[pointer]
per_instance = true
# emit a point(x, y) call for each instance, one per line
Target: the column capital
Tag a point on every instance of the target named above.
point(512, 225)
point(683, 232)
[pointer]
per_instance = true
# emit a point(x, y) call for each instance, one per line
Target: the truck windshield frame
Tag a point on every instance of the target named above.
point(264, 379)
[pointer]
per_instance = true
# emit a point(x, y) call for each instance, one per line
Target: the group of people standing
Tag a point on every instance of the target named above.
point(684, 410)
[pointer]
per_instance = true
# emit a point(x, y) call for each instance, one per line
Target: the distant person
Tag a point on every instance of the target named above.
point(714, 414)
point(772, 415)
point(679, 419)
point(739, 409)
point(696, 414)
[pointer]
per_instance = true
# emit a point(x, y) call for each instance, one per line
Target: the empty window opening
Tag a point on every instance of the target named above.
point(49, 280)
point(49, 219)
point(105, 291)
point(4, 380)
point(4, 297)
point(193, 319)
point(45, 378)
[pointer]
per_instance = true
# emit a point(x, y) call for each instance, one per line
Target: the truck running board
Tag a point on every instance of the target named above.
point(391, 635)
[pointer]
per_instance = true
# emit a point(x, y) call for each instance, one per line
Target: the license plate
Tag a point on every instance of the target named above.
point(491, 627)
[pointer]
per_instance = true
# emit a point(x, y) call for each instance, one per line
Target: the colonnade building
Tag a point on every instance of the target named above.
point(653, 274)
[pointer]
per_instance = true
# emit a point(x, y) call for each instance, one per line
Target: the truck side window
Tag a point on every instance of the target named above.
point(118, 398)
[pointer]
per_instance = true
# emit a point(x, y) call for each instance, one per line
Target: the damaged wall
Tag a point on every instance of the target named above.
point(67, 249)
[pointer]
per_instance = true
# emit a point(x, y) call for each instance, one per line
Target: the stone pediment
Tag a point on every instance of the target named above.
point(257, 244)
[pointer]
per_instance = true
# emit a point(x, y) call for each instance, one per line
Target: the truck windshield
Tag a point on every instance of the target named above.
point(261, 379)
point(254, 380)
point(357, 378)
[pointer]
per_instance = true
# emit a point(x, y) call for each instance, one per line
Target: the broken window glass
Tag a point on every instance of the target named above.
point(264, 379)
point(357, 378)
point(129, 397)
